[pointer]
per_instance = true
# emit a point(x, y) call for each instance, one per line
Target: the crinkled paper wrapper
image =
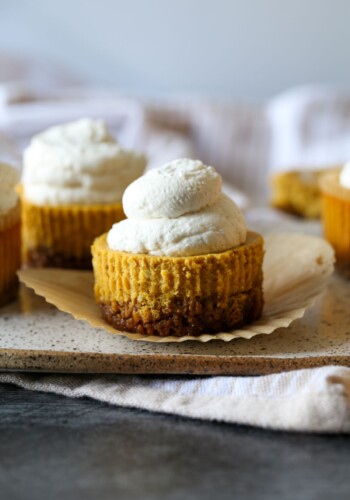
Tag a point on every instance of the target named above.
point(296, 270)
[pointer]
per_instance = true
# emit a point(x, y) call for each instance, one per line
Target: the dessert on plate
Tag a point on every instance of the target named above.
point(10, 237)
point(74, 176)
point(298, 192)
point(335, 188)
point(183, 262)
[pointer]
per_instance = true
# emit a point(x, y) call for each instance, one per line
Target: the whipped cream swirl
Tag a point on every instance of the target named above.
point(344, 176)
point(78, 163)
point(9, 177)
point(178, 210)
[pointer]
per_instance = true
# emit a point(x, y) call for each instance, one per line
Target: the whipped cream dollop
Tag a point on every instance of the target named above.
point(78, 163)
point(9, 177)
point(178, 210)
point(344, 176)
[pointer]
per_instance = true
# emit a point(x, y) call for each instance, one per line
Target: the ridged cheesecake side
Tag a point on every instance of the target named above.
point(179, 296)
point(61, 236)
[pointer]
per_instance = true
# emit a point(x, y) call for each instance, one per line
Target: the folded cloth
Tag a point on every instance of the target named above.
point(310, 400)
point(310, 129)
point(303, 128)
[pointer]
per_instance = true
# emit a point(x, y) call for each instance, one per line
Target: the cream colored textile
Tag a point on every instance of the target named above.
point(302, 128)
point(312, 400)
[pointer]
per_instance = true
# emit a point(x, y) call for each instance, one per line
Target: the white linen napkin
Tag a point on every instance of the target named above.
point(311, 400)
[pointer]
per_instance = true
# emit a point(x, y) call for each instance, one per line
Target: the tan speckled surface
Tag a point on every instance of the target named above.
point(46, 339)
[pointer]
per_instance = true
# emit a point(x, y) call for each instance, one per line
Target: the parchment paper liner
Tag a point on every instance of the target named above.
point(296, 270)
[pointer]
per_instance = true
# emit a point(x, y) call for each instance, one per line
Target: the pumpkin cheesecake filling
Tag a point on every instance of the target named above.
point(160, 295)
point(198, 272)
point(61, 236)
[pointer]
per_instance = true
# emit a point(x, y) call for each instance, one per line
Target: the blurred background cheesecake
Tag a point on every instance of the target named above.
point(298, 192)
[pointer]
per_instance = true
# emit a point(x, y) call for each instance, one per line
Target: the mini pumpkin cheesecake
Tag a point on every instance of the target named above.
point(74, 176)
point(10, 241)
point(298, 192)
point(335, 188)
point(182, 263)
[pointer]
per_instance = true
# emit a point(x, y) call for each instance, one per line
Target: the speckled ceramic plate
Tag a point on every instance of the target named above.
point(37, 336)
point(296, 270)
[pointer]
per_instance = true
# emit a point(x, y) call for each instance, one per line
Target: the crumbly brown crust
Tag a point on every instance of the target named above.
point(10, 293)
point(47, 257)
point(179, 295)
point(343, 267)
point(10, 261)
point(188, 319)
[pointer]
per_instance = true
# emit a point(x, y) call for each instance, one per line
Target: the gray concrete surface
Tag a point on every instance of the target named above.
point(56, 448)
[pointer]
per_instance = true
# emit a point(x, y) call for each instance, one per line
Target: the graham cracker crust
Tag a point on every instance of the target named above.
point(47, 257)
point(188, 318)
point(9, 294)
